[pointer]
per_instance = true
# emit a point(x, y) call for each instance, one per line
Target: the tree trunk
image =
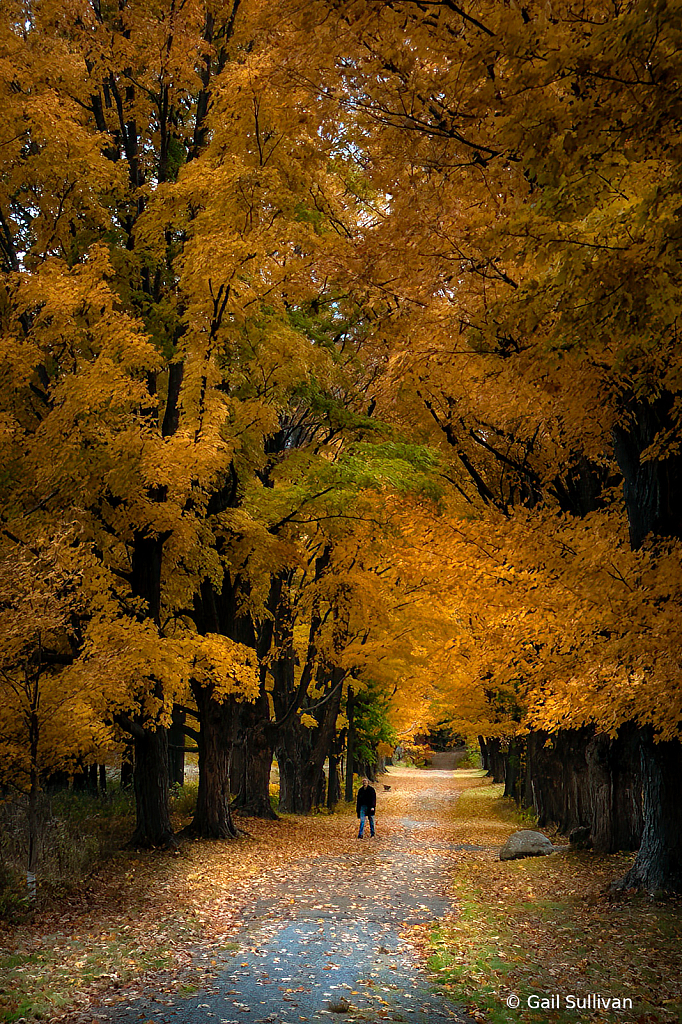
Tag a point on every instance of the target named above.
point(212, 817)
point(176, 748)
point(150, 740)
point(293, 751)
point(301, 756)
point(615, 791)
point(485, 761)
point(512, 775)
point(495, 760)
point(150, 779)
point(560, 779)
point(127, 767)
point(333, 782)
point(251, 760)
point(659, 861)
point(628, 813)
point(350, 744)
point(652, 489)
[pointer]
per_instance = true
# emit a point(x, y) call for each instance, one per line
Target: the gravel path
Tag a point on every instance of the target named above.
point(322, 939)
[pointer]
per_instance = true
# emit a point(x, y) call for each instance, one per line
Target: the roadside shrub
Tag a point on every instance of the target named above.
point(472, 757)
point(70, 832)
point(184, 798)
point(417, 754)
point(14, 903)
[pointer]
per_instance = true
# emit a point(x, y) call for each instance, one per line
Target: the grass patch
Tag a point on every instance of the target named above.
point(34, 985)
point(546, 926)
point(184, 799)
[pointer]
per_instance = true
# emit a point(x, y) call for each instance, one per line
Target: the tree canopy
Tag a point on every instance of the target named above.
point(339, 350)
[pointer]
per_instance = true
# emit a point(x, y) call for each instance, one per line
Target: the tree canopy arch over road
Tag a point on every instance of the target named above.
point(340, 353)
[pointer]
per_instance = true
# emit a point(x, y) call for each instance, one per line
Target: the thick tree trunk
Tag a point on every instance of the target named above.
point(150, 779)
point(614, 779)
point(289, 760)
point(559, 780)
point(652, 489)
point(659, 862)
point(495, 760)
point(530, 796)
point(628, 812)
point(251, 760)
point(583, 780)
point(333, 781)
point(127, 767)
point(366, 770)
point(512, 775)
point(485, 763)
point(212, 817)
point(301, 756)
point(298, 778)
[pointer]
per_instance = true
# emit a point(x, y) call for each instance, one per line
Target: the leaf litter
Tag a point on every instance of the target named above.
point(279, 910)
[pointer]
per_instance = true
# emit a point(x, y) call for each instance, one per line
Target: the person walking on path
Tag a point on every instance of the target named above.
point(366, 807)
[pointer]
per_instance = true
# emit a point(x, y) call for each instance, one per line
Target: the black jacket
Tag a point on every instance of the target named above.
point(367, 798)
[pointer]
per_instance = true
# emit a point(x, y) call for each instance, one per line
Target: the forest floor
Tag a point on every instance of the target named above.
point(298, 921)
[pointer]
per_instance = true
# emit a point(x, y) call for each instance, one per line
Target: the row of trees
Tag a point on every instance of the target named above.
point(195, 496)
point(538, 160)
point(339, 346)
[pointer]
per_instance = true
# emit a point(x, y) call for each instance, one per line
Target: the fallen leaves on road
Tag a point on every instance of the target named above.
point(546, 926)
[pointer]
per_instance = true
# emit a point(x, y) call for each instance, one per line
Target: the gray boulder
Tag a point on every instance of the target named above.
point(526, 843)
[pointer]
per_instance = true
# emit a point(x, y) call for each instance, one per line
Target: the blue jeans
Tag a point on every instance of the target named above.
point(363, 815)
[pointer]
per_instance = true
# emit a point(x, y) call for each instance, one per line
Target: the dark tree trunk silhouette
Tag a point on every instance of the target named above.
point(153, 826)
point(659, 861)
point(302, 753)
point(213, 817)
point(176, 748)
point(252, 756)
point(615, 783)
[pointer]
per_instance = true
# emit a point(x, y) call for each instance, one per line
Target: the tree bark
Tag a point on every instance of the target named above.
point(485, 764)
point(251, 760)
point(150, 780)
point(512, 775)
point(301, 756)
point(559, 778)
point(495, 760)
point(350, 744)
point(292, 754)
point(659, 862)
point(127, 767)
point(212, 817)
point(176, 748)
point(653, 489)
point(614, 779)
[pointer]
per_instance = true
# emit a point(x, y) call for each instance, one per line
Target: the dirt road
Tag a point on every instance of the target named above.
point(325, 938)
